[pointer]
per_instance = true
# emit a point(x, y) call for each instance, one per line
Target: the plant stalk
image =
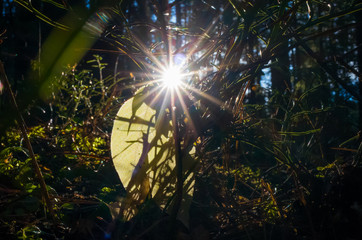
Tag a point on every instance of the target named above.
point(22, 126)
point(178, 156)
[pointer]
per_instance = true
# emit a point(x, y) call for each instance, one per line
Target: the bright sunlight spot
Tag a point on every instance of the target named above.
point(172, 77)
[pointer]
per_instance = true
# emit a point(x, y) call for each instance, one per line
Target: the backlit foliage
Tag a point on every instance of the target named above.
point(268, 108)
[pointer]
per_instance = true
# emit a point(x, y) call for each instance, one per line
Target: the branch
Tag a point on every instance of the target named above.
point(325, 67)
point(22, 126)
point(179, 177)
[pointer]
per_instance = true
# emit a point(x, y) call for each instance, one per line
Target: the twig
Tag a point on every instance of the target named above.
point(151, 227)
point(22, 126)
point(326, 68)
point(82, 154)
point(179, 177)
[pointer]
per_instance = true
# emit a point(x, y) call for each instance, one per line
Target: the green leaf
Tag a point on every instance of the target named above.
point(30, 232)
point(354, 138)
point(68, 206)
point(236, 9)
point(27, 5)
point(300, 133)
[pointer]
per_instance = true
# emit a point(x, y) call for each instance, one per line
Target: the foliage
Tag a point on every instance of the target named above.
point(71, 148)
point(270, 107)
point(144, 155)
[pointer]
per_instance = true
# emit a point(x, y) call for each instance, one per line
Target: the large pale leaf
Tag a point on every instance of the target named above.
point(144, 156)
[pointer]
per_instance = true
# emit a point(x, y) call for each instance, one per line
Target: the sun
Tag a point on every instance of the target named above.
point(172, 77)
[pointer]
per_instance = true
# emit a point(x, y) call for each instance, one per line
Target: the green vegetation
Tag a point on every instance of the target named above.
point(261, 140)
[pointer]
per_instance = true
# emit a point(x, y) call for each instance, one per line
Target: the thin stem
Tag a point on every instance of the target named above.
point(22, 126)
point(178, 156)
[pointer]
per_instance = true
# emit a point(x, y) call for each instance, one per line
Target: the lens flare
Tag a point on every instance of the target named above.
point(172, 77)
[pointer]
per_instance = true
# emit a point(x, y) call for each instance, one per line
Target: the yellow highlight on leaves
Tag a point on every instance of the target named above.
point(144, 157)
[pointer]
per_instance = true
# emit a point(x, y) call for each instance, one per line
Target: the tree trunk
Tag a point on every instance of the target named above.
point(143, 18)
point(280, 77)
point(359, 55)
point(178, 21)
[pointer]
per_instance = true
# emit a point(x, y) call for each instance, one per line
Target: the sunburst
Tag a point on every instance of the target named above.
point(172, 77)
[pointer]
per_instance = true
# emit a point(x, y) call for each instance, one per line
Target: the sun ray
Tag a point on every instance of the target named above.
point(187, 113)
point(205, 96)
point(153, 102)
point(170, 81)
point(197, 43)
